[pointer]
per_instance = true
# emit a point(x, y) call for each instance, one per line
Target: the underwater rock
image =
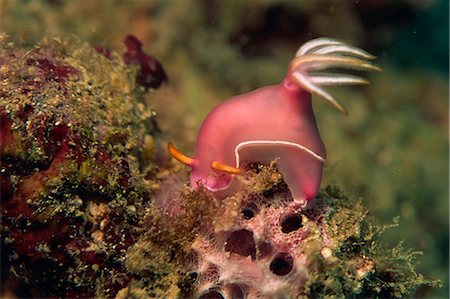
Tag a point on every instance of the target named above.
point(72, 142)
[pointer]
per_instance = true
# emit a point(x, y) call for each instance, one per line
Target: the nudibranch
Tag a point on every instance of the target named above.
point(276, 123)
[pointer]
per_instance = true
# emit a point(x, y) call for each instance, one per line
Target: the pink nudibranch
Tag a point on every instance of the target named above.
point(275, 123)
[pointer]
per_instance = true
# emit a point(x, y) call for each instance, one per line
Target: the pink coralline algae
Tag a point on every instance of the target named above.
point(275, 123)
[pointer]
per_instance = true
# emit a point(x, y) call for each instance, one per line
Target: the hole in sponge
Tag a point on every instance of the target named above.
point(249, 211)
point(212, 294)
point(235, 291)
point(291, 222)
point(193, 276)
point(248, 214)
point(242, 243)
point(282, 264)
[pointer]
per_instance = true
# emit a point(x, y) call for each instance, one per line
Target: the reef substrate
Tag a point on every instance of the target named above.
point(91, 205)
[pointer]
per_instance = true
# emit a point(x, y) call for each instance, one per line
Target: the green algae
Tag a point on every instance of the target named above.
point(359, 263)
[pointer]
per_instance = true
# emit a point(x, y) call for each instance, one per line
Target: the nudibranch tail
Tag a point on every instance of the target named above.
point(178, 155)
point(323, 53)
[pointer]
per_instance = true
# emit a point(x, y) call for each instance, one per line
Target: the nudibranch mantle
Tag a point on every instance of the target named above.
point(275, 123)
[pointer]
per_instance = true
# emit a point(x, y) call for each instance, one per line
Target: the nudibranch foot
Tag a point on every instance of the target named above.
point(324, 53)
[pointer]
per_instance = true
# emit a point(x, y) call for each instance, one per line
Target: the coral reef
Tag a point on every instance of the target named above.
point(75, 145)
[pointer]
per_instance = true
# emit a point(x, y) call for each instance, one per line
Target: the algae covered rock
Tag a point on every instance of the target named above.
point(76, 139)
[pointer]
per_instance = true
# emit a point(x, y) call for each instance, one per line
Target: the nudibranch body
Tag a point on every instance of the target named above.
point(275, 123)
